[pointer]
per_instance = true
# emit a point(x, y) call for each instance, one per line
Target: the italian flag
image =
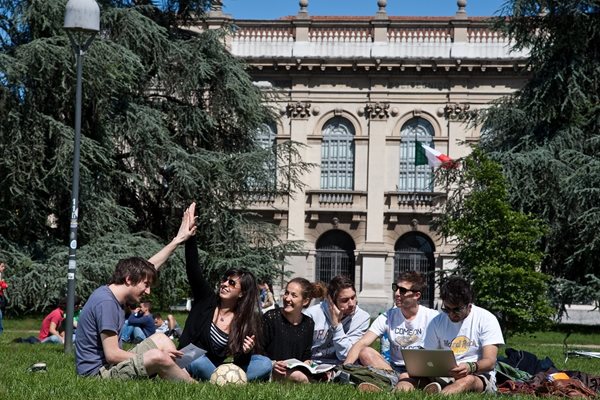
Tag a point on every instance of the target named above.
point(425, 155)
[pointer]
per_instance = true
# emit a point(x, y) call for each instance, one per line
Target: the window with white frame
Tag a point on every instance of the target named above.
point(337, 155)
point(265, 139)
point(412, 177)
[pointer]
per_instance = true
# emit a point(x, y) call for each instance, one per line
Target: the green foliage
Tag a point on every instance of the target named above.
point(497, 248)
point(546, 135)
point(169, 116)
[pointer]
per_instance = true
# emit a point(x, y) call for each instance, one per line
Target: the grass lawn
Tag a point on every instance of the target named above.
point(61, 382)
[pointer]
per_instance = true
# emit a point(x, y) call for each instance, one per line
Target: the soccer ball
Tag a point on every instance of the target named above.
point(228, 373)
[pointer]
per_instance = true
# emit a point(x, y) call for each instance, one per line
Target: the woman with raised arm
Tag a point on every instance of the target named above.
point(287, 332)
point(224, 324)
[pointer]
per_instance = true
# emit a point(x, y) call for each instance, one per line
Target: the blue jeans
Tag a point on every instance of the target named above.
point(53, 339)
point(259, 368)
point(1, 326)
point(129, 333)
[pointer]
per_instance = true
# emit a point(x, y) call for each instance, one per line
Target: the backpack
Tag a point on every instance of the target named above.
point(357, 374)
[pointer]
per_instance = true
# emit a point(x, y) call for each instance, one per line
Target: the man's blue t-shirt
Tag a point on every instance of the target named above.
point(102, 312)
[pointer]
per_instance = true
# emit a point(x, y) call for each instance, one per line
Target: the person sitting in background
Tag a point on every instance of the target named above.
point(49, 332)
point(169, 327)
point(139, 325)
point(339, 322)
point(267, 302)
point(3, 286)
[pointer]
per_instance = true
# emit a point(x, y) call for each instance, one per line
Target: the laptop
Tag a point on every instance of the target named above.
point(428, 363)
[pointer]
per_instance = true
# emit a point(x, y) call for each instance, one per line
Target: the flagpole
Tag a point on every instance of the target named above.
point(415, 179)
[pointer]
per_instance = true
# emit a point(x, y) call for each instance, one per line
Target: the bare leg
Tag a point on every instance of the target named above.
point(369, 356)
point(469, 383)
point(406, 383)
point(171, 322)
point(159, 361)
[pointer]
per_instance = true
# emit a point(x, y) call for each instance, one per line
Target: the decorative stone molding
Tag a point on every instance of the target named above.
point(298, 109)
point(377, 110)
point(458, 111)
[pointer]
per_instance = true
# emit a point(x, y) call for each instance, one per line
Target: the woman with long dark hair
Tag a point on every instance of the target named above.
point(225, 324)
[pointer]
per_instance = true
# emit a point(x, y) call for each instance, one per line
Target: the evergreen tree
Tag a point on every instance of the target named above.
point(546, 135)
point(169, 116)
point(497, 248)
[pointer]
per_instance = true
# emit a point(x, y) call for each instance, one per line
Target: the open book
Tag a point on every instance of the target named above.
point(312, 368)
point(190, 353)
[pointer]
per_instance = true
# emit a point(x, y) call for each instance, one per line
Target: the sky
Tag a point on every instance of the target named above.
point(273, 9)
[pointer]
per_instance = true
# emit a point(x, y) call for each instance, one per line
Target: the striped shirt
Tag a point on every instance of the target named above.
point(218, 340)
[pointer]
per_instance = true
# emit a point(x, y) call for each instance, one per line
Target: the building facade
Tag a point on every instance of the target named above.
point(361, 93)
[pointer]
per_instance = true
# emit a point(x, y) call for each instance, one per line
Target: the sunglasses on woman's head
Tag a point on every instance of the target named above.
point(402, 290)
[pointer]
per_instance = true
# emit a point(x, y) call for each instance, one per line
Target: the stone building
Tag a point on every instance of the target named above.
point(360, 93)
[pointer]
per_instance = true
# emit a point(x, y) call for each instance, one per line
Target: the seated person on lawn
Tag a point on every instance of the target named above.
point(472, 333)
point(405, 325)
point(97, 349)
point(169, 327)
point(49, 332)
point(139, 325)
point(339, 322)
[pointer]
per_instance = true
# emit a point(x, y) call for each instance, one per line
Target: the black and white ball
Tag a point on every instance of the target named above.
point(228, 373)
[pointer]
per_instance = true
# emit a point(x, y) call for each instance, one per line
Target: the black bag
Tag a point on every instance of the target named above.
point(3, 303)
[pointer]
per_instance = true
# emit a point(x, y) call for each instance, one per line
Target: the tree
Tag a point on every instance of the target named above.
point(497, 248)
point(169, 116)
point(546, 135)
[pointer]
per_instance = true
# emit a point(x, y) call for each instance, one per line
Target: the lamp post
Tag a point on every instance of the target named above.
point(82, 22)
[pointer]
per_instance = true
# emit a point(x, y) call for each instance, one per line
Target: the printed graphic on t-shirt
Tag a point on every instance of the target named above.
point(460, 345)
point(407, 336)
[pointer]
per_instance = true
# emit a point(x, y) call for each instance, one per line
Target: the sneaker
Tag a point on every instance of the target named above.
point(432, 388)
point(38, 367)
point(369, 387)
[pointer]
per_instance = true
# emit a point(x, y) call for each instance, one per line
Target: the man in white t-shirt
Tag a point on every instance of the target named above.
point(472, 333)
point(405, 326)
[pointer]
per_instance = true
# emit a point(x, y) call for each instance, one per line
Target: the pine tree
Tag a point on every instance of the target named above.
point(547, 135)
point(497, 248)
point(169, 116)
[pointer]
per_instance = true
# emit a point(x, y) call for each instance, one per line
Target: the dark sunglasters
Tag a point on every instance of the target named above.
point(454, 310)
point(230, 282)
point(402, 290)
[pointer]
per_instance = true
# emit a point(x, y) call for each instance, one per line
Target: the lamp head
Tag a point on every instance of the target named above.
point(82, 15)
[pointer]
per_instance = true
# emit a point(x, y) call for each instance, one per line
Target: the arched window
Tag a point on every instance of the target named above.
point(414, 178)
point(337, 155)
point(335, 256)
point(265, 139)
point(414, 252)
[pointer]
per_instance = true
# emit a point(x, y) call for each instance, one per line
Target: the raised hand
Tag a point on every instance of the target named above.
point(187, 228)
point(248, 344)
point(334, 312)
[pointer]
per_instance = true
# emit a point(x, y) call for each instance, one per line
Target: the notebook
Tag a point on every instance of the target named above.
point(428, 363)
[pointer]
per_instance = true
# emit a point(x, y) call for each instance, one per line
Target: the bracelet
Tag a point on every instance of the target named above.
point(473, 367)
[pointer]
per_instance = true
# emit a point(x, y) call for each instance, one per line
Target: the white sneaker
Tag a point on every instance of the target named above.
point(432, 388)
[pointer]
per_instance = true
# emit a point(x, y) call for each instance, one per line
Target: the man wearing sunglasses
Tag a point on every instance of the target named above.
point(405, 325)
point(472, 333)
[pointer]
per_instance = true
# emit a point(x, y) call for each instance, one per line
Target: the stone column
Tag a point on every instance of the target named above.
point(374, 253)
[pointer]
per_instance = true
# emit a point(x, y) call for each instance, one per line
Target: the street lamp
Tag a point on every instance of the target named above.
point(82, 22)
